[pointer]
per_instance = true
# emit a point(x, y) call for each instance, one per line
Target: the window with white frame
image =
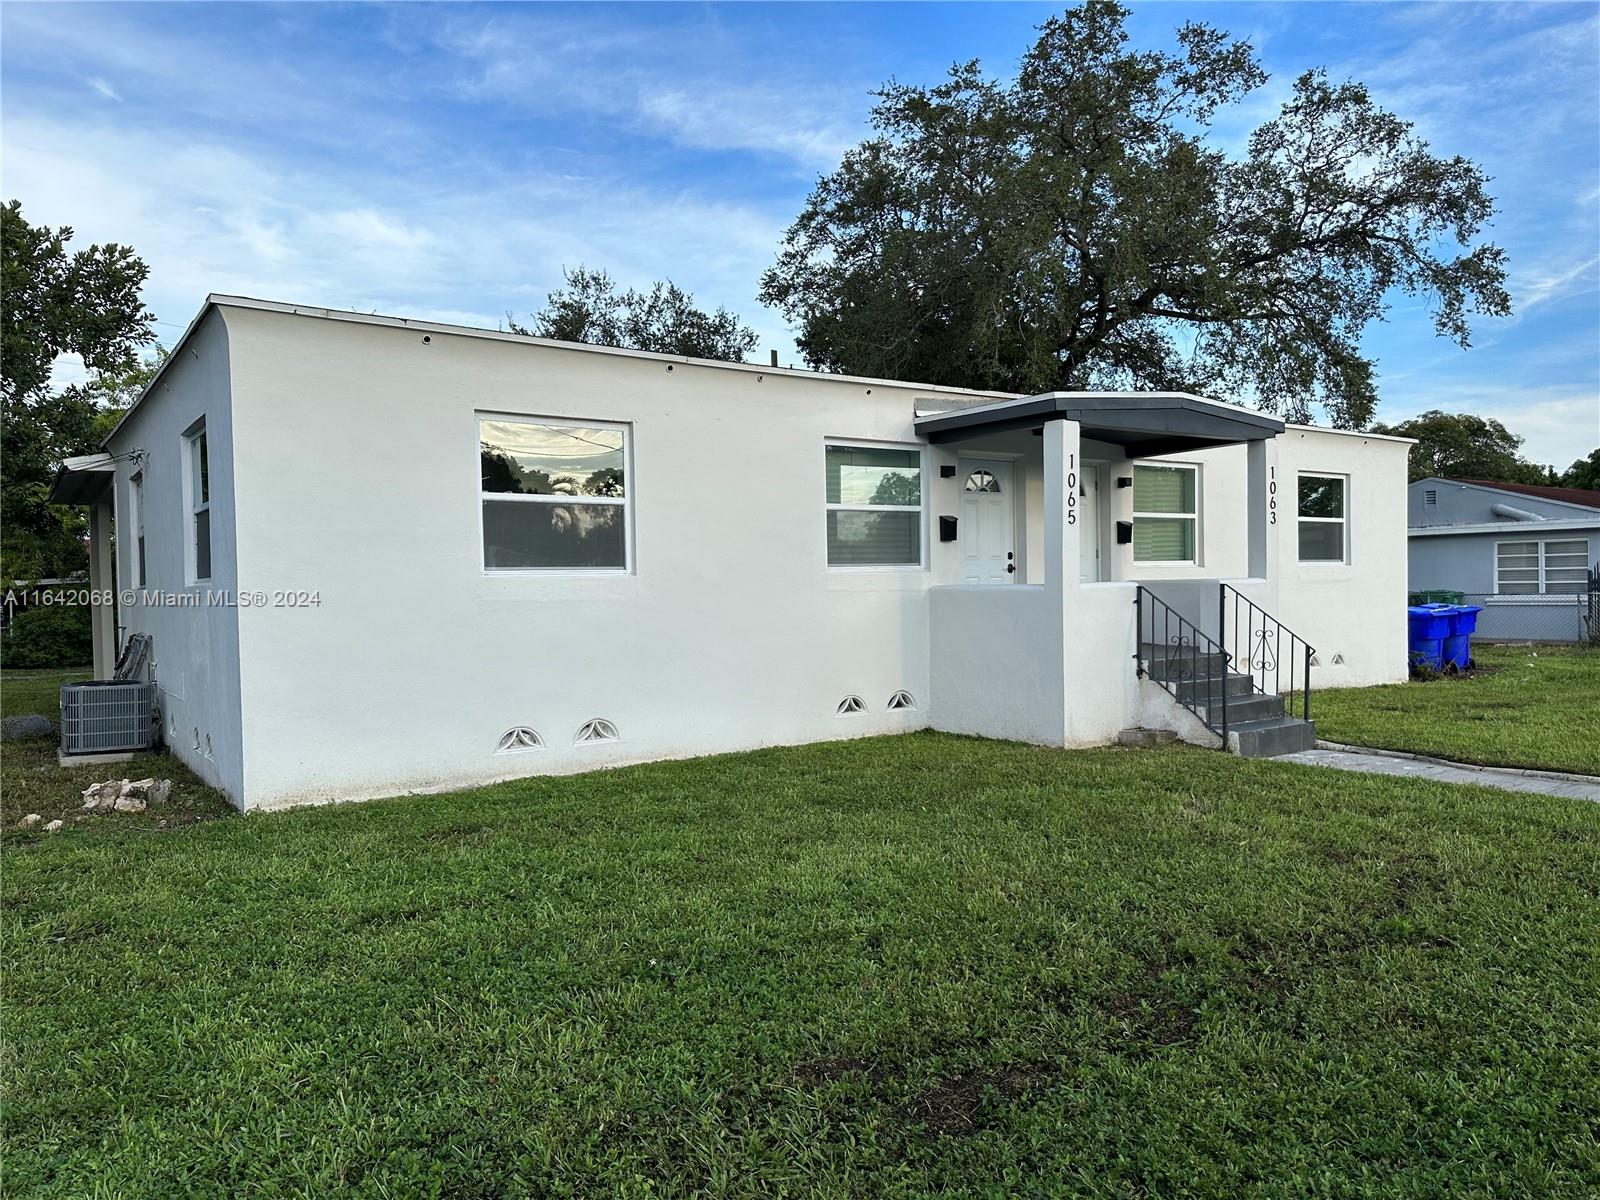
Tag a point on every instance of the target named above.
point(136, 527)
point(1541, 568)
point(554, 494)
point(197, 488)
point(874, 503)
point(1166, 513)
point(1324, 517)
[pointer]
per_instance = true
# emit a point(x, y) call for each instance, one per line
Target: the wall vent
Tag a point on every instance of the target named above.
point(516, 740)
point(902, 699)
point(1430, 497)
point(1338, 660)
point(849, 705)
point(597, 730)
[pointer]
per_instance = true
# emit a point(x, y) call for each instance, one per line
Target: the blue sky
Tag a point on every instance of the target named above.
point(447, 161)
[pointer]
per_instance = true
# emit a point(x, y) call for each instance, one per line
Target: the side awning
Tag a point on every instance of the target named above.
point(83, 480)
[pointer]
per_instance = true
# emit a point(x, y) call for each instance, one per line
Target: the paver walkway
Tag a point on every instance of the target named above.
point(1576, 788)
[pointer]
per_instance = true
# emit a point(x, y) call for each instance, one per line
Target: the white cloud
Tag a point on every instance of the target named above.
point(1560, 424)
point(463, 246)
point(104, 89)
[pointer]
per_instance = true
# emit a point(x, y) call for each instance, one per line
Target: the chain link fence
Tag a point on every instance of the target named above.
point(1570, 618)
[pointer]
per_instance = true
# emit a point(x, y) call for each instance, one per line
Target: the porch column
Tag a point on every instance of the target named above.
point(1268, 505)
point(102, 580)
point(1063, 509)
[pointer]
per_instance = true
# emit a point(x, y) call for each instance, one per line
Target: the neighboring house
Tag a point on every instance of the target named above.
point(378, 555)
point(1529, 554)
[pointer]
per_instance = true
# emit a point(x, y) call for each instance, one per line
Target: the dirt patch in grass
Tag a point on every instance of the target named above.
point(953, 1106)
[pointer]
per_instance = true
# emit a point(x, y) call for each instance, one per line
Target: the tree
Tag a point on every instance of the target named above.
point(1585, 473)
point(1462, 446)
point(1077, 229)
point(56, 302)
point(664, 319)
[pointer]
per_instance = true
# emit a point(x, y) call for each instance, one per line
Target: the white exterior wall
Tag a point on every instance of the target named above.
point(1355, 609)
point(362, 485)
point(195, 650)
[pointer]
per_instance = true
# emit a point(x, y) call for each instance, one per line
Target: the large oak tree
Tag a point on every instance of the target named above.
point(1082, 228)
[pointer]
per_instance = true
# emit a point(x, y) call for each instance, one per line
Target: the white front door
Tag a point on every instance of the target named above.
point(988, 548)
point(1089, 525)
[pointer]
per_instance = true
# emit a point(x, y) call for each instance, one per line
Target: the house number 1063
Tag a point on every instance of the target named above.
point(1072, 489)
point(1272, 495)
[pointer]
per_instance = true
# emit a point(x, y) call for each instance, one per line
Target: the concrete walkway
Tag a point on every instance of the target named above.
point(1355, 758)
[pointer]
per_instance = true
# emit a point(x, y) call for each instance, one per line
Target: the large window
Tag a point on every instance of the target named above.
point(1541, 568)
point(554, 495)
point(1166, 515)
point(136, 525)
point(198, 490)
point(874, 497)
point(1324, 518)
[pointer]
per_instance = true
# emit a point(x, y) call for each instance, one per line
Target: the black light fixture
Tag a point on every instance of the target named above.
point(947, 470)
point(1124, 481)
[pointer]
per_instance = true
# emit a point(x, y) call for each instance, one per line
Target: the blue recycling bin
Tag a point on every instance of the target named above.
point(1428, 627)
point(1458, 641)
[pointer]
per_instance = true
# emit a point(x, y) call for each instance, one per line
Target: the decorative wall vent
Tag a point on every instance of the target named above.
point(597, 730)
point(1316, 659)
point(902, 699)
point(1338, 660)
point(849, 705)
point(514, 741)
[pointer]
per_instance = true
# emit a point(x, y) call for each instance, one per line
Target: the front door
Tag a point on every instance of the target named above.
point(988, 549)
point(1089, 525)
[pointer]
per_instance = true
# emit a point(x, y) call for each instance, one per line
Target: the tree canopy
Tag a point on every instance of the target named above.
point(54, 302)
point(664, 319)
point(1464, 446)
point(1082, 228)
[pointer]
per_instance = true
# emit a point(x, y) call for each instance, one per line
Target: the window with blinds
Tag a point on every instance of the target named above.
point(874, 506)
point(1538, 568)
point(1165, 513)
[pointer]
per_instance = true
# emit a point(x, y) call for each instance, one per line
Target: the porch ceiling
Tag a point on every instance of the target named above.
point(1143, 423)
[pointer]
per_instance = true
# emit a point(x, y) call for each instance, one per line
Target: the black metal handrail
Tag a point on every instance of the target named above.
point(1254, 642)
point(1188, 646)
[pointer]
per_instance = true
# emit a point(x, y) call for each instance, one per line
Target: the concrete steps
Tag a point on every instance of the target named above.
point(1258, 725)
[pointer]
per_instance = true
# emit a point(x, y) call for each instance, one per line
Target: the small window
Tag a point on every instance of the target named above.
point(1324, 518)
point(136, 526)
point(874, 502)
point(1542, 568)
point(982, 481)
point(1165, 513)
point(197, 487)
point(554, 495)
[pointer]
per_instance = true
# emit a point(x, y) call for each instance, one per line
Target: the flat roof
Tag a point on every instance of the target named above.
point(1145, 423)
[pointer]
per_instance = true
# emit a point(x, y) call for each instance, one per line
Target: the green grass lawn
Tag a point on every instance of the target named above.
point(909, 966)
point(36, 691)
point(1526, 706)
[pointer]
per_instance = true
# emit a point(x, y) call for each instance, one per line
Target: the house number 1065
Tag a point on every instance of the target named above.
point(1072, 489)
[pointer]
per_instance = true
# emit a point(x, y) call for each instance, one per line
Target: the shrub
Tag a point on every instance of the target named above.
point(50, 635)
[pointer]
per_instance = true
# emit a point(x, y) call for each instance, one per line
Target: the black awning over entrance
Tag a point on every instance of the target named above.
point(1143, 423)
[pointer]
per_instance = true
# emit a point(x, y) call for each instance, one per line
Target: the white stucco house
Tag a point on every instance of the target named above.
point(377, 555)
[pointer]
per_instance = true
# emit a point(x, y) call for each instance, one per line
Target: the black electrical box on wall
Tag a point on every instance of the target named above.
point(947, 529)
point(1124, 532)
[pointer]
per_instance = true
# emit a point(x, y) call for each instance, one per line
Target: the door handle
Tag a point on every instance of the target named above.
point(1011, 568)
